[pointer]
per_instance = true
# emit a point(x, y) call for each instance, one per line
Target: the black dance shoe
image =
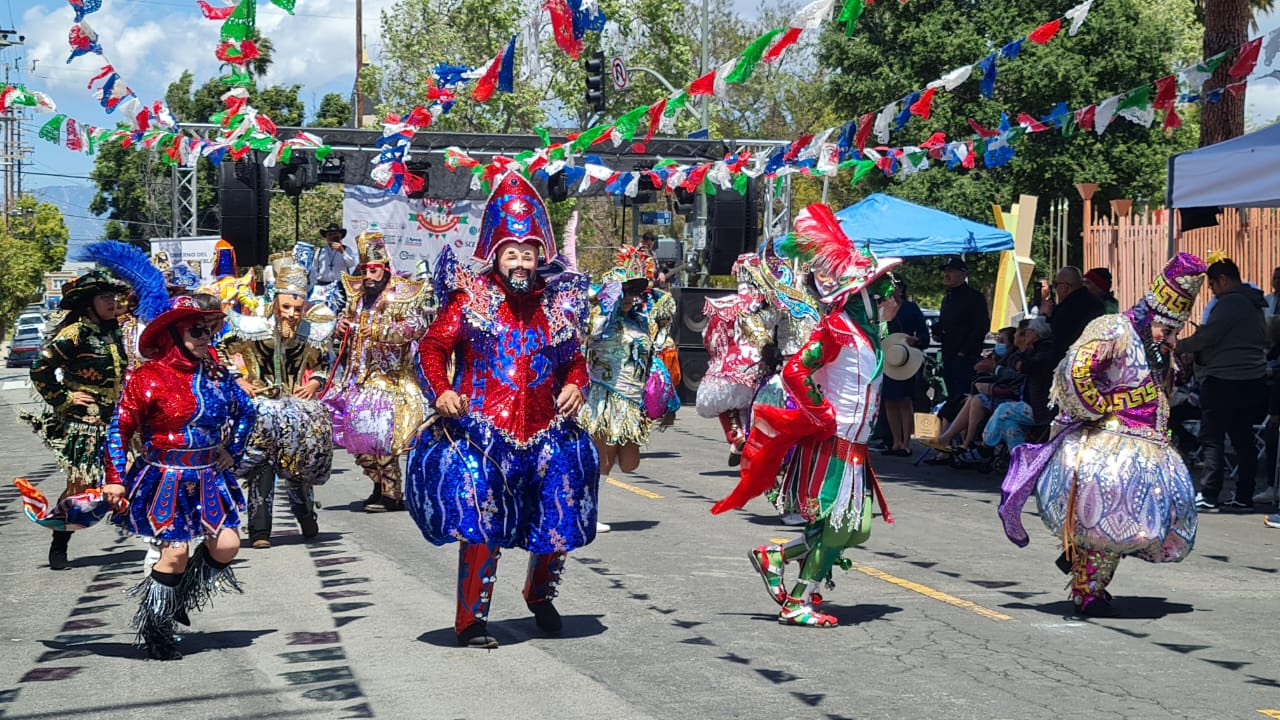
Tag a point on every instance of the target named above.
point(476, 635)
point(546, 617)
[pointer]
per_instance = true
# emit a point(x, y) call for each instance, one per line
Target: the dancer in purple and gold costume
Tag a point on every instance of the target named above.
point(1109, 484)
point(180, 489)
point(376, 404)
point(507, 466)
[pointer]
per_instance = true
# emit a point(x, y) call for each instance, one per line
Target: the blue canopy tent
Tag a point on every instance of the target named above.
point(897, 228)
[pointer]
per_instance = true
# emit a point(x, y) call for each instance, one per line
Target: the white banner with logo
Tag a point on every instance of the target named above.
point(413, 229)
point(196, 253)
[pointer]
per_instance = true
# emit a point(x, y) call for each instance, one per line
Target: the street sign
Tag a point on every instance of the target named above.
point(655, 217)
point(703, 134)
point(618, 69)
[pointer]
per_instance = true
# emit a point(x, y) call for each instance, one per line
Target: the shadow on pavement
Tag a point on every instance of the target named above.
point(1126, 607)
point(847, 615)
point(124, 556)
point(519, 630)
point(632, 525)
point(297, 539)
point(719, 473)
point(192, 643)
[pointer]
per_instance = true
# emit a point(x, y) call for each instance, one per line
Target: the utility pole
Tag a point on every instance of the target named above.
point(12, 151)
point(359, 103)
point(700, 200)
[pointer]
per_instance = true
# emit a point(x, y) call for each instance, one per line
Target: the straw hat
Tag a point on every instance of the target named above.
point(901, 360)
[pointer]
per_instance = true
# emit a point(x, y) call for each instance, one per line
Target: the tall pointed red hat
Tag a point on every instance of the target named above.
point(515, 213)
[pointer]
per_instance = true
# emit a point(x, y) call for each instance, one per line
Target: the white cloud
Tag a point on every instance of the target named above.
point(315, 48)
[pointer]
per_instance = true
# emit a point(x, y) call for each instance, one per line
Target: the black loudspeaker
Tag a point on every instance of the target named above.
point(244, 202)
point(693, 365)
point(690, 322)
point(732, 228)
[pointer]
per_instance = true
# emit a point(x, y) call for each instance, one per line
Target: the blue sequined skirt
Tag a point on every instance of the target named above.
point(1133, 496)
point(468, 482)
point(177, 496)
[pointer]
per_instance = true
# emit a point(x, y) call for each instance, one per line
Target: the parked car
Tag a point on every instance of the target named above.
point(28, 320)
point(25, 346)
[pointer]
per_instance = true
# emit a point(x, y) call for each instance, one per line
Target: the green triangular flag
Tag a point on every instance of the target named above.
point(1137, 98)
point(741, 183)
point(240, 23)
point(849, 15)
point(323, 152)
point(285, 5)
point(589, 136)
point(544, 136)
point(708, 187)
point(750, 57)
point(626, 125)
point(52, 130)
point(286, 154)
point(864, 167)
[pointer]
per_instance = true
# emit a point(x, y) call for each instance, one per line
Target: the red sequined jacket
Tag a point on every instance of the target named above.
point(513, 353)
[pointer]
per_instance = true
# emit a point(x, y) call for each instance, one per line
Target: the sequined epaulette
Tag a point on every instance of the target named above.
point(565, 302)
point(249, 327)
point(318, 325)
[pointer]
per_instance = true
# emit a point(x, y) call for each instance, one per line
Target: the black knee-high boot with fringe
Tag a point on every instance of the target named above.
point(158, 602)
point(204, 578)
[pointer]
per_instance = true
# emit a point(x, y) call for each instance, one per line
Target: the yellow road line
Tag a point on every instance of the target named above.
point(1271, 713)
point(779, 541)
point(931, 593)
point(634, 489)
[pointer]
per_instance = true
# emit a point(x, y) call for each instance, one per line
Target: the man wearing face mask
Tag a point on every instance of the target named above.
point(507, 464)
point(1110, 485)
point(376, 404)
point(282, 362)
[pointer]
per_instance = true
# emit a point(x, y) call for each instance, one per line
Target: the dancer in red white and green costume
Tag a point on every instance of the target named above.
point(835, 380)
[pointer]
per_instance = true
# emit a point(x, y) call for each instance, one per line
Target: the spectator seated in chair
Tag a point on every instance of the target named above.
point(996, 382)
point(1027, 418)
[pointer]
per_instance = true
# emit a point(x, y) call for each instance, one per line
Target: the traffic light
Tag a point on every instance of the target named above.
point(595, 81)
point(684, 200)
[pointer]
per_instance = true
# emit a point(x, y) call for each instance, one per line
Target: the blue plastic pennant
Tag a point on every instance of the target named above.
point(1058, 116)
point(988, 67)
point(1010, 51)
point(904, 115)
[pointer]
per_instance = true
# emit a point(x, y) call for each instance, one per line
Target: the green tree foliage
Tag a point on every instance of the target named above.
point(34, 241)
point(317, 208)
point(899, 48)
point(334, 112)
point(135, 186)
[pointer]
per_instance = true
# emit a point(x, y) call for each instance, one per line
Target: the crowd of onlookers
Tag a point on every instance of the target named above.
point(1225, 391)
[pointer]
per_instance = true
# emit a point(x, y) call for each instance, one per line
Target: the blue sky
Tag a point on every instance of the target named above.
point(151, 42)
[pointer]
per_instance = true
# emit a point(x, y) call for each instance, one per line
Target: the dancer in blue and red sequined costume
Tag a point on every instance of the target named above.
point(193, 419)
point(508, 466)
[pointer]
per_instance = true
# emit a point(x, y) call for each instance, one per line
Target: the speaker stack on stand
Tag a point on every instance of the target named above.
point(687, 332)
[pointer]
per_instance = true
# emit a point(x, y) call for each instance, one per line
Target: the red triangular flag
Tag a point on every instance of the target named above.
point(1171, 120)
point(1084, 117)
point(982, 132)
point(1166, 93)
point(1045, 32)
point(655, 118)
point(1030, 123)
point(705, 85)
point(784, 41)
point(864, 130)
point(1247, 60)
point(923, 106)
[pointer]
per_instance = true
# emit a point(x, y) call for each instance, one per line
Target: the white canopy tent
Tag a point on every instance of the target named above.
point(1241, 172)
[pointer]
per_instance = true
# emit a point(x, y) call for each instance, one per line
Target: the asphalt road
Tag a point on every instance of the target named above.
point(941, 616)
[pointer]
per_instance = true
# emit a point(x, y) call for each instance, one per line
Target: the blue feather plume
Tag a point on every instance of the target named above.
point(131, 265)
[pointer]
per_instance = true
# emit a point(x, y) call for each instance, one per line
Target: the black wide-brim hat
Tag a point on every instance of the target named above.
point(333, 227)
point(82, 290)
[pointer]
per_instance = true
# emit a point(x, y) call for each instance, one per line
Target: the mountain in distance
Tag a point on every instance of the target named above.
point(73, 201)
